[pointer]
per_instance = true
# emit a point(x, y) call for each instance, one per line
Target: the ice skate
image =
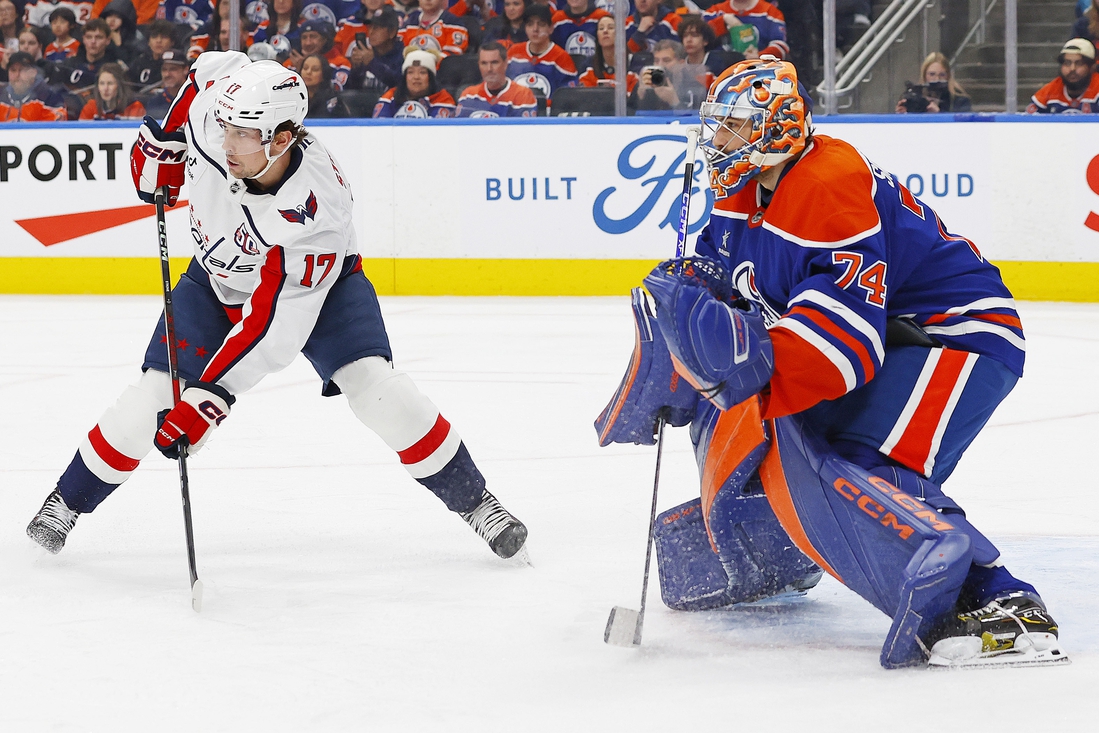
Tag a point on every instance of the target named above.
point(1013, 630)
point(504, 534)
point(51, 526)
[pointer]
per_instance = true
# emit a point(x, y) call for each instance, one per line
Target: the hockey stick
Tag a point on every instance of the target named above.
point(173, 372)
point(624, 624)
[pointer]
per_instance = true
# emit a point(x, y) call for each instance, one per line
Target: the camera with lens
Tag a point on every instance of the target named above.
point(657, 75)
point(918, 96)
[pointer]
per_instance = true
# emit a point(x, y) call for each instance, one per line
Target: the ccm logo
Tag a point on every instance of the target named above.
point(212, 411)
point(888, 519)
point(156, 153)
point(679, 515)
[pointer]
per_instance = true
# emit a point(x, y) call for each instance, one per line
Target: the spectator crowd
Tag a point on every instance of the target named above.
point(122, 59)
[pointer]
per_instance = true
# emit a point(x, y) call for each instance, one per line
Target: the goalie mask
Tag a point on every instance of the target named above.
point(257, 98)
point(753, 119)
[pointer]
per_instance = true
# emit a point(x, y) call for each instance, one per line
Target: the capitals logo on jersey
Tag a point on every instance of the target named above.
point(245, 241)
point(302, 212)
point(581, 43)
point(744, 280)
point(534, 81)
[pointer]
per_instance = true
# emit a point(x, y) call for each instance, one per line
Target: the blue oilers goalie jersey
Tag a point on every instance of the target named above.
point(272, 255)
point(841, 248)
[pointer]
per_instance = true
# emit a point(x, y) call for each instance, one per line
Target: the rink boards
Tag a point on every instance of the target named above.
point(551, 207)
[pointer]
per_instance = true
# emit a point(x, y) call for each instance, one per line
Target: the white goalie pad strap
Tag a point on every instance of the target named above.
point(124, 433)
point(389, 403)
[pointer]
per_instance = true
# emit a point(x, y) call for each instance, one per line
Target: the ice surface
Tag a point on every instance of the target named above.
point(342, 596)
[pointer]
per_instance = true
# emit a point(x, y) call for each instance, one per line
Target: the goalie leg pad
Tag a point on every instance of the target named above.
point(650, 389)
point(719, 345)
point(893, 550)
point(727, 546)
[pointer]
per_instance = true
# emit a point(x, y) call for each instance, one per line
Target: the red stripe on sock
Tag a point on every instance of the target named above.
point(110, 456)
point(426, 445)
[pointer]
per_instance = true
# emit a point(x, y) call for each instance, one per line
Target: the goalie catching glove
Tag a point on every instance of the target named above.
point(717, 340)
point(157, 159)
point(201, 408)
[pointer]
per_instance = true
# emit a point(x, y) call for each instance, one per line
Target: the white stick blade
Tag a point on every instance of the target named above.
point(623, 627)
point(196, 596)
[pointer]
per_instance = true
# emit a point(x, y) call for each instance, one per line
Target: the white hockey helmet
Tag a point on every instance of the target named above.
point(261, 96)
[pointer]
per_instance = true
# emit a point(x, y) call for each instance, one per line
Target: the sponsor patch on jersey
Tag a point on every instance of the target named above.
point(298, 215)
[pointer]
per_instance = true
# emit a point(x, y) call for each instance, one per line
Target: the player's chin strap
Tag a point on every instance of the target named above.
point(238, 187)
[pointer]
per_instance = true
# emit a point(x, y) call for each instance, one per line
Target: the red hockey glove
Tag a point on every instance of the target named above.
point(200, 408)
point(158, 159)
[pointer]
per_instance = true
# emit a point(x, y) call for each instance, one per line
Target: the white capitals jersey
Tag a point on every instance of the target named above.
point(274, 254)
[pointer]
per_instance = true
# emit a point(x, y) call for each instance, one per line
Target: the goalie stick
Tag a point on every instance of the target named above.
point(173, 373)
point(624, 625)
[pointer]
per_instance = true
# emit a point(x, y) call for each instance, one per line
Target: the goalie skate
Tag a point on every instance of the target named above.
point(1012, 631)
point(504, 533)
point(51, 526)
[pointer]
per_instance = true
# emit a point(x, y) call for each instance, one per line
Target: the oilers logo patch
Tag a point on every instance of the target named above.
point(744, 280)
point(298, 215)
point(535, 82)
point(483, 114)
point(318, 11)
point(582, 43)
point(280, 43)
point(245, 241)
point(186, 16)
point(412, 109)
point(256, 10)
point(427, 42)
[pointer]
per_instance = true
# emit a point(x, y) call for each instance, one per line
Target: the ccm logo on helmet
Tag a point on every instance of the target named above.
point(290, 83)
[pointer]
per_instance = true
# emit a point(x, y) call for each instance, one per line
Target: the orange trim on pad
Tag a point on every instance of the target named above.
point(738, 432)
point(778, 494)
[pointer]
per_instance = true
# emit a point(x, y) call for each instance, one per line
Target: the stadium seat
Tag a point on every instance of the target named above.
point(581, 61)
point(583, 102)
point(459, 72)
point(360, 103)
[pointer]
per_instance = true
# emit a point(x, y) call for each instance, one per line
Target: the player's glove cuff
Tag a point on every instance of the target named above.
point(201, 408)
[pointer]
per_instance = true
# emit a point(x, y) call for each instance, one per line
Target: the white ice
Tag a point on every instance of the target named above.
point(342, 596)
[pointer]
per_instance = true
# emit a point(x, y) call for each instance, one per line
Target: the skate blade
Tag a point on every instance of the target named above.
point(623, 627)
point(520, 559)
point(957, 658)
point(196, 596)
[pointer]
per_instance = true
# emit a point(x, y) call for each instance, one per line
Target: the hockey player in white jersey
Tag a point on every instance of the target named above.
point(276, 272)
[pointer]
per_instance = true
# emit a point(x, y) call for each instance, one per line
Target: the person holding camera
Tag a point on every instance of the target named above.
point(669, 85)
point(938, 90)
point(376, 54)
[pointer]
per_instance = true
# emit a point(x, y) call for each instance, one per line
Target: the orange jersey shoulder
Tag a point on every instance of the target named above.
point(825, 199)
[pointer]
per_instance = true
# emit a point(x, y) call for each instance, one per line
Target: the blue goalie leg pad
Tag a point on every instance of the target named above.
point(81, 489)
point(755, 558)
point(692, 577)
point(727, 547)
point(893, 550)
point(650, 389)
point(459, 483)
